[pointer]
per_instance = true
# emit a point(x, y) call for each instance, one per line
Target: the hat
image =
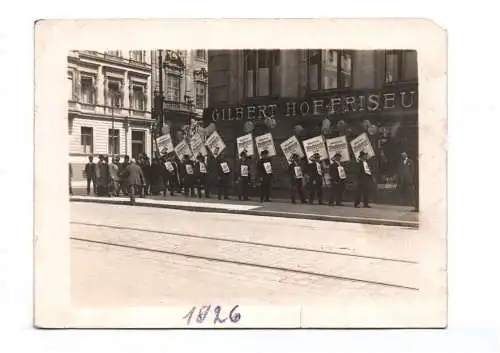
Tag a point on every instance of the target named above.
point(243, 153)
point(199, 156)
point(337, 154)
point(362, 153)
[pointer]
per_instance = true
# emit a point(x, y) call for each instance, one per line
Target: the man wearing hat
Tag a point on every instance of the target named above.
point(315, 172)
point(243, 176)
point(296, 178)
point(188, 178)
point(102, 176)
point(223, 175)
point(265, 172)
point(408, 181)
point(338, 179)
point(201, 174)
point(365, 179)
point(135, 179)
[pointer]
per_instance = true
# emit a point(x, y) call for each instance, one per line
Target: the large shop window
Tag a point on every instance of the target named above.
point(114, 95)
point(138, 143)
point(87, 139)
point(401, 66)
point(201, 95)
point(113, 141)
point(138, 97)
point(87, 89)
point(262, 72)
point(173, 88)
point(329, 69)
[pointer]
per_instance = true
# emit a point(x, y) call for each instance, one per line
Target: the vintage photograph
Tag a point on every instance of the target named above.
point(254, 186)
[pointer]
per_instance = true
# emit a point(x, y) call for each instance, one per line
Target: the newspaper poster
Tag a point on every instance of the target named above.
point(182, 148)
point(362, 143)
point(265, 142)
point(197, 146)
point(338, 144)
point(165, 144)
point(245, 143)
point(315, 145)
point(215, 144)
point(291, 146)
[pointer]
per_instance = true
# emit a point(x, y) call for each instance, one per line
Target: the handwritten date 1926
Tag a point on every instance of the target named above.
point(233, 316)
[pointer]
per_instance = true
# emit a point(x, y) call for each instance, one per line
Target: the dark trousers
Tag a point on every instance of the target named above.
point(363, 192)
point(170, 184)
point(315, 188)
point(123, 187)
point(188, 186)
point(298, 188)
point(222, 185)
point(94, 187)
point(410, 193)
point(132, 191)
point(265, 188)
point(203, 184)
point(243, 188)
point(336, 192)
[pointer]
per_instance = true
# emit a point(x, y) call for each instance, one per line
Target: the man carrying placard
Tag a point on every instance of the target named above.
point(296, 178)
point(201, 173)
point(171, 176)
point(265, 171)
point(365, 179)
point(223, 176)
point(338, 179)
point(315, 171)
point(243, 176)
point(188, 177)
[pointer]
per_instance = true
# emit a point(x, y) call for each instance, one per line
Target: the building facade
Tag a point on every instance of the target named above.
point(109, 105)
point(184, 80)
point(356, 91)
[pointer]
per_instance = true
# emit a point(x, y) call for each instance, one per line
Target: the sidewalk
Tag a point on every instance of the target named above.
point(378, 214)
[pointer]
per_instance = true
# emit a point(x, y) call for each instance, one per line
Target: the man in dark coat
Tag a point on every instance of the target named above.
point(407, 181)
point(156, 177)
point(201, 175)
point(188, 178)
point(171, 176)
point(122, 168)
point(102, 176)
point(315, 172)
point(296, 171)
point(89, 173)
point(223, 176)
point(338, 179)
point(365, 180)
point(243, 176)
point(265, 172)
point(135, 179)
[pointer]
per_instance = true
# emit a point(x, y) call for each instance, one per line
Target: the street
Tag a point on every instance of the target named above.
point(136, 256)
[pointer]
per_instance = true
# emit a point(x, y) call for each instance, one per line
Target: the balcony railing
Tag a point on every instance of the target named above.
point(79, 107)
point(179, 106)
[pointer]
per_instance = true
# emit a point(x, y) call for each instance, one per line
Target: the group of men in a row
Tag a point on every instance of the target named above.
point(110, 178)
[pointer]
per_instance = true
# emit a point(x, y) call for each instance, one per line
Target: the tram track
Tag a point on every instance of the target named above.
point(250, 247)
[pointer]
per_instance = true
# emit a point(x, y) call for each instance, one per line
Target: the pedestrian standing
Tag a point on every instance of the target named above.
point(146, 170)
point(122, 169)
point(70, 176)
point(114, 176)
point(102, 176)
point(365, 180)
point(243, 176)
point(408, 182)
point(188, 178)
point(296, 172)
point(265, 172)
point(156, 177)
point(338, 178)
point(89, 173)
point(201, 175)
point(223, 176)
point(315, 185)
point(171, 176)
point(135, 179)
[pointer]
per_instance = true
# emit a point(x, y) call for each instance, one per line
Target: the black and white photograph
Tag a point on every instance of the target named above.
point(242, 183)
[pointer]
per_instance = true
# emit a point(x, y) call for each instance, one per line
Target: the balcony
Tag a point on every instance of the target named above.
point(79, 108)
point(179, 106)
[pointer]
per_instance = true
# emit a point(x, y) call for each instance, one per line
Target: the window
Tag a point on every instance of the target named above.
point(138, 97)
point(201, 54)
point(70, 87)
point(261, 72)
point(117, 53)
point(113, 141)
point(138, 55)
point(87, 87)
point(173, 88)
point(114, 95)
point(400, 66)
point(138, 143)
point(200, 95)
point(87, 139)
point(329, 69)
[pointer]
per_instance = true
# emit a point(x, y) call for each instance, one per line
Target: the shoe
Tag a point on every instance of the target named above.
point(367, 206)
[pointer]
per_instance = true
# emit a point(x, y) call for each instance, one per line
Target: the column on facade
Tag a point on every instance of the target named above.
point(77, 84)
point(188, 85)
point(126, 91)
point(101, 100)
point(147, 94)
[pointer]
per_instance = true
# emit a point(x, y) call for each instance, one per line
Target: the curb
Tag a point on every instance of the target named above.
point(316, 217)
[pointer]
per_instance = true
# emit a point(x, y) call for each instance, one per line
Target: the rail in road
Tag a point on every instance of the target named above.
point(361, 268)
